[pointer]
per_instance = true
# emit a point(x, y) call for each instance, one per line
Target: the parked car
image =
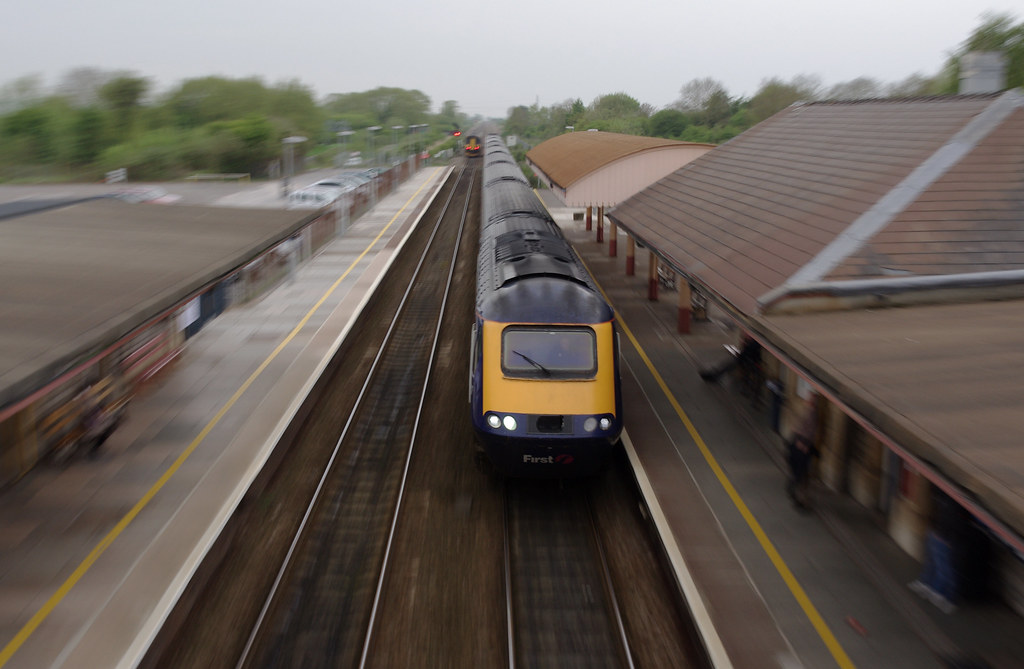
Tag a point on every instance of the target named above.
point(314, 197)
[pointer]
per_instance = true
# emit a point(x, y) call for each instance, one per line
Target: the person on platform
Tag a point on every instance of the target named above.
point(802, 451)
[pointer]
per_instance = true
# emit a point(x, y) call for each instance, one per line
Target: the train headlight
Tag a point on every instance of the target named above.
point(606, 423)
point(493, 420)
point(509, 422)
point(589, 424)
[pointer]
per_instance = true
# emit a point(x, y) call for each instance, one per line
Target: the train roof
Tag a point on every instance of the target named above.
point(504, 200)
point(519, 239)
point(545, 299)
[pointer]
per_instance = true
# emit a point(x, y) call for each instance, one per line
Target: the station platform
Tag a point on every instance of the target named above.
point(831, 582)
point(92, 554)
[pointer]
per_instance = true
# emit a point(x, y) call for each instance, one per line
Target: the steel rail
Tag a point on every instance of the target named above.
point(613, 610)
point(310, 508)
point(609, 587)
point(419, 412)
point(509, 605)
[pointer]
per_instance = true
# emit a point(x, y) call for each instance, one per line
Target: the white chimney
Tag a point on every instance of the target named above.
point(982, 72)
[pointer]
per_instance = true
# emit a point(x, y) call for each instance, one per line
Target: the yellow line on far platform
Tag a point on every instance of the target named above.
point(25, 632)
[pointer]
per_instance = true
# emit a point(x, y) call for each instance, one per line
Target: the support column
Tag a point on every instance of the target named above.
point(613, 241)
point(630, 255)
point(685, 306)
point(652, 278)
point(590, 220)
point(600, 225)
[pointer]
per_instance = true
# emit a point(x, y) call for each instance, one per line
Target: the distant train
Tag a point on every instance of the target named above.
point(472, 146)
point(544, 382)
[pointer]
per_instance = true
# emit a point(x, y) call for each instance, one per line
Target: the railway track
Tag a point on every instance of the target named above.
point(441, 598)
point(322, 515)
point(323, 606)
point(562, 607)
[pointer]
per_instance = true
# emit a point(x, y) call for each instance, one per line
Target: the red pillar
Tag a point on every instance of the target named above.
point(613, 239)
point(685, 306)
point(590, 220)
point(652, 278)
point(630, 255)
point(600, 224)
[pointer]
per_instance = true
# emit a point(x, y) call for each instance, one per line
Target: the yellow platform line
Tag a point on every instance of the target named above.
point(819, 624)
point(25, 632)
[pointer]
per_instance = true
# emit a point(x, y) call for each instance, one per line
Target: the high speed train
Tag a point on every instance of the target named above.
point(544, 375)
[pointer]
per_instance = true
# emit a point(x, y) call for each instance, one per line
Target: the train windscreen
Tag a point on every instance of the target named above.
point(549, 352)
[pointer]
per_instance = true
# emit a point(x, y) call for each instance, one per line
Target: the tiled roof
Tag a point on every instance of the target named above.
point(969, 220)
point(840, 190)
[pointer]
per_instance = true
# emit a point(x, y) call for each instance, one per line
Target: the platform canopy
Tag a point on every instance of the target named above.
point(79, 277)
point(878, 247)
point(601, 169)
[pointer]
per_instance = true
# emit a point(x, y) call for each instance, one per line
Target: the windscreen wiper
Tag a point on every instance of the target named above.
point(533, 362)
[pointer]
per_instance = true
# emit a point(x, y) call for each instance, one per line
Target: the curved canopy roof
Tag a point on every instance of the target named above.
point(604, 168)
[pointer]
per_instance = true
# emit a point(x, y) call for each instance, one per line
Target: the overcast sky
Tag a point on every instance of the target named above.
point(491, 56)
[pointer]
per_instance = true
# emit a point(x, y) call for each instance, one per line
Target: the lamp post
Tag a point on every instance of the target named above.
point(343, 136)
point(415, 129)
point(394, 135)
point(289, 160)
point(371, 134)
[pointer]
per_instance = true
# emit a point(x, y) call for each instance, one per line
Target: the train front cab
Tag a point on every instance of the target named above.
point(546, 400)
point(472, 146)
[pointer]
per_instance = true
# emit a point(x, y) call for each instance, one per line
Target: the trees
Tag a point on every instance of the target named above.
point(124, 95)
point(613, 106)
point(775, 95)
point(856, 89)
point(30, 133)
point(695, 94)
point(246, 144)
point(914, 85)
point(668, 123)
point(81, 86)
point(88, 131)
point(383, 106)
point(97, 118)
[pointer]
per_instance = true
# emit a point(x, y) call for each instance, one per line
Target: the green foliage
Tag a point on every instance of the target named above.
point(103, 120)
point(243, 145)
point(29, 135)
point(613, 106)
point(668, 123)
point(87, 136)
point(385, 106)
point(200, 101)
point(519, 122)
point(152, 156)
point(123, 95)
point(717, 109)
point(774, 96)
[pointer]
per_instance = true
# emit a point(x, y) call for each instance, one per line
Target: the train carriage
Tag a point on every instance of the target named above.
point(544, 387)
